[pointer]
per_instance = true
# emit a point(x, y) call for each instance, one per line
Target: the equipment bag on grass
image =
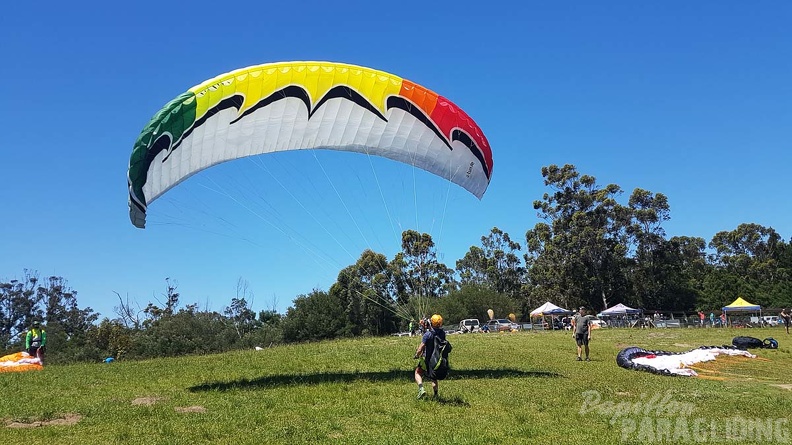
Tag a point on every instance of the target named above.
point(752, 342)
point(437, 362)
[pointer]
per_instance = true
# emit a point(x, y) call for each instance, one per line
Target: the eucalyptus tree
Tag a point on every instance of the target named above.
point(19, 306)
point(67, 323)
point(364, 290)
point(418, 277)
point(655, 272)
point(578, 254)
point(423, 275)
point(52, 302)
point(241, 316)
point(751, 251)
point(689, 255)
point(752, 257)
point(496, 264)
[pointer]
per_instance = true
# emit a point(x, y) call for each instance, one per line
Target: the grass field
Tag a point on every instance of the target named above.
point(510, 388)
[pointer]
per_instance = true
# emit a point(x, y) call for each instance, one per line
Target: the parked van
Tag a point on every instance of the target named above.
point(469, 325)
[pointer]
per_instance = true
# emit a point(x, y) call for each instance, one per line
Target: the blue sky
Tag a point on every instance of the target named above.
point(689, 99)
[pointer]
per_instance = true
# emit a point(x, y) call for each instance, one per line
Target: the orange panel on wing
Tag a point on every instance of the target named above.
point(425, 99)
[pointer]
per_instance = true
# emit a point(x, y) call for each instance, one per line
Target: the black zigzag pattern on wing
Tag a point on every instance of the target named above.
point(234, 101)
point(404, 104)
point(345, 92)
point(289, 91)
point(463, 137)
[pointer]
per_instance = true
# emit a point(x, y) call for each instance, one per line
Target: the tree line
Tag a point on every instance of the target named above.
point(588, 249)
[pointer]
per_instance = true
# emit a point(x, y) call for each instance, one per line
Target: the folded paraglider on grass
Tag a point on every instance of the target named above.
point(20, 361)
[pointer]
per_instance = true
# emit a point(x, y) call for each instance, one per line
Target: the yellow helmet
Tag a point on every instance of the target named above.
point(437, 321)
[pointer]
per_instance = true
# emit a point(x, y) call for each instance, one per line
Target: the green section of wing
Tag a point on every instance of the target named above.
point(175, 118)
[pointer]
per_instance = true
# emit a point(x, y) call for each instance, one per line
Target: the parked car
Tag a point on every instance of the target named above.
point(671, 323)
point(771, 320)
point(499, 325)
point(469, 325)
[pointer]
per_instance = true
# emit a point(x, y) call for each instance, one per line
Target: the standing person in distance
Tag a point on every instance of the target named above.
point(425, 350)
point(35, 340)
point(786, 317)
point(581, 326)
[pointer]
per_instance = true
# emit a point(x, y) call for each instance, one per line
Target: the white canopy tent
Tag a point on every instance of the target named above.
point(623, 315)
point(619, 309)
point(549, 309)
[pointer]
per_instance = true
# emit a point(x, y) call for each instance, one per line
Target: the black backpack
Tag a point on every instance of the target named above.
point(437, 362)
point(752, 342)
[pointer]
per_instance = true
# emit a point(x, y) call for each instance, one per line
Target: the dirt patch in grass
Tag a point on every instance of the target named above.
point(66, 420)
point(190, 409)
point(146, 401)
point(787, 386)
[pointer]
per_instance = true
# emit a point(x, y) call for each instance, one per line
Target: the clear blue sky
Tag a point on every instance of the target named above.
point(689, 99)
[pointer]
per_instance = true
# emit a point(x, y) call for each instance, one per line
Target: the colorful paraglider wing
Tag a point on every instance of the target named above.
point(20, 361)
point(305, 105)
point(673, 363)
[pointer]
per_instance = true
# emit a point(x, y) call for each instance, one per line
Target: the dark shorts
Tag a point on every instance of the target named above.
point(582, 339)
point(33, 350)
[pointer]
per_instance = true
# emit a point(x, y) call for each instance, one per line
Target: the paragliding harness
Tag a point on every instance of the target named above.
point(752, 342)
point(437, 366)
point(35, 340)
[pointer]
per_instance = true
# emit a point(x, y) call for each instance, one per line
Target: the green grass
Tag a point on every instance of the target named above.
point(504, 388)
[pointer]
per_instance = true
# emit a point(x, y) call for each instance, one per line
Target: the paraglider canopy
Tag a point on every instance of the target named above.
point(673, 363)
point(20, 361)
point(286, 106)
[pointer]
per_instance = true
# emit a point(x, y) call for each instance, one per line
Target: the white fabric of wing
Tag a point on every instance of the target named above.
point(338, 125)
point(676, 363)
point(25, 360)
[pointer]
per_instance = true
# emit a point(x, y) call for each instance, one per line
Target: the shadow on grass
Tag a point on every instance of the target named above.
point(451, 401)
point(278, 380)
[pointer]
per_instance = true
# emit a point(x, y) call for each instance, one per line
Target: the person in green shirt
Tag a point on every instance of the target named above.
point(35, 340)
point(581, 325)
